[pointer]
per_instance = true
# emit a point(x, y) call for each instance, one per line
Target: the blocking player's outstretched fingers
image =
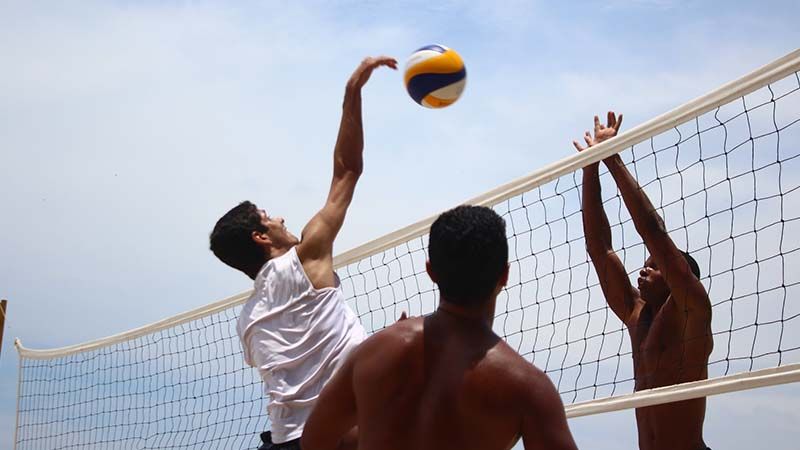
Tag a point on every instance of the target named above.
point(601, 132)
point(589, 142)
point(364, 70)
point(608, 131)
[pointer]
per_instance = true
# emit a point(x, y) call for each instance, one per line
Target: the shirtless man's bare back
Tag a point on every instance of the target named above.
point(445, 381)
point(668, 315)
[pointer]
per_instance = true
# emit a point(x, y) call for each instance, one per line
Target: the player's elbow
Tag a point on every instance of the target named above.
point(595, 247)
point(650, 226)
point(348, 169)
point(598, 249)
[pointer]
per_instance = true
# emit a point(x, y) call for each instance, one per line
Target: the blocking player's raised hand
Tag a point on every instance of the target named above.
point(620, 295)
point(606, 132)
point(601, 132)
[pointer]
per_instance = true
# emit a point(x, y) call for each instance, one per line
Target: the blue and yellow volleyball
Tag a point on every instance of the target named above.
point(435, 76)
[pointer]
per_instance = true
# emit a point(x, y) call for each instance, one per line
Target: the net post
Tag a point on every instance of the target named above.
point(18, 344)
point(3, 304)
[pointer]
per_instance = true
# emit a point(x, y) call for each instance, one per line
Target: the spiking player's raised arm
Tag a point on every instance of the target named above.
point(295, 328)
point(316, 245)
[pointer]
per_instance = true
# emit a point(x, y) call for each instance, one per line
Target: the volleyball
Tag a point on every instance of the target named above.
point(435, 76)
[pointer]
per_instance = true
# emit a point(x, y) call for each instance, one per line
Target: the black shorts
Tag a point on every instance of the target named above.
point(266, 438)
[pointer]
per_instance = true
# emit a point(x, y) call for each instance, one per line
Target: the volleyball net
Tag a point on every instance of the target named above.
point(722, 170)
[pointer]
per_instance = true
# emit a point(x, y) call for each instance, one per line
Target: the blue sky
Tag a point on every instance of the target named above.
point(127, 128)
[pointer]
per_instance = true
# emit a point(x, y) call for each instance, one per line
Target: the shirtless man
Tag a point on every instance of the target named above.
point(445, 381)
point(668, 317)
point(295, 328)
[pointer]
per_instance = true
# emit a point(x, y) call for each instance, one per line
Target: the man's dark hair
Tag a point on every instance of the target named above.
point(231, 239)
point(468, 252)
point(692, 264)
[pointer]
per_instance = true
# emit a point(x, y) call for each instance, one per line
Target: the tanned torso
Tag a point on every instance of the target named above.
point(428, 378)
point(669, 348)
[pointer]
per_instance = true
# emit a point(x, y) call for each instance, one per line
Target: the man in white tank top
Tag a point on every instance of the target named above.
point(295, 328)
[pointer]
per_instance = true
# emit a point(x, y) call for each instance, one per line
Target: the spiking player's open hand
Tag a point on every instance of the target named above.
point(601, 132)
point(364, 70)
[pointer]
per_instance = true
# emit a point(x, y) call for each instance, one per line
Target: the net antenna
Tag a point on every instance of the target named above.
point(3, 304)
point(722, 170)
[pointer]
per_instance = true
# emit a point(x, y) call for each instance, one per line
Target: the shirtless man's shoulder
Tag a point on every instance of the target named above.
point(517, 375)
point(394, 340)
point(389, 350)
point(513, 379)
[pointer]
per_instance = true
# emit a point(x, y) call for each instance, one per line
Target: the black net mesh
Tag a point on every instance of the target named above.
point(726, 184)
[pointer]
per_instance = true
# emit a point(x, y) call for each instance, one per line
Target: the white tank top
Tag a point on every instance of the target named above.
point(297, 337)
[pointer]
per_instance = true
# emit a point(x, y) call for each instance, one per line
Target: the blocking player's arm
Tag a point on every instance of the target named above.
point(330, 424)
point(686, 290)
point(617, 289)
point(544, 426)
point(316, 245)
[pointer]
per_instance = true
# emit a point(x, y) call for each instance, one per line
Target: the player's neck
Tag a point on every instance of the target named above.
point(654, 304)
point(275, 252)
point(483, 315)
